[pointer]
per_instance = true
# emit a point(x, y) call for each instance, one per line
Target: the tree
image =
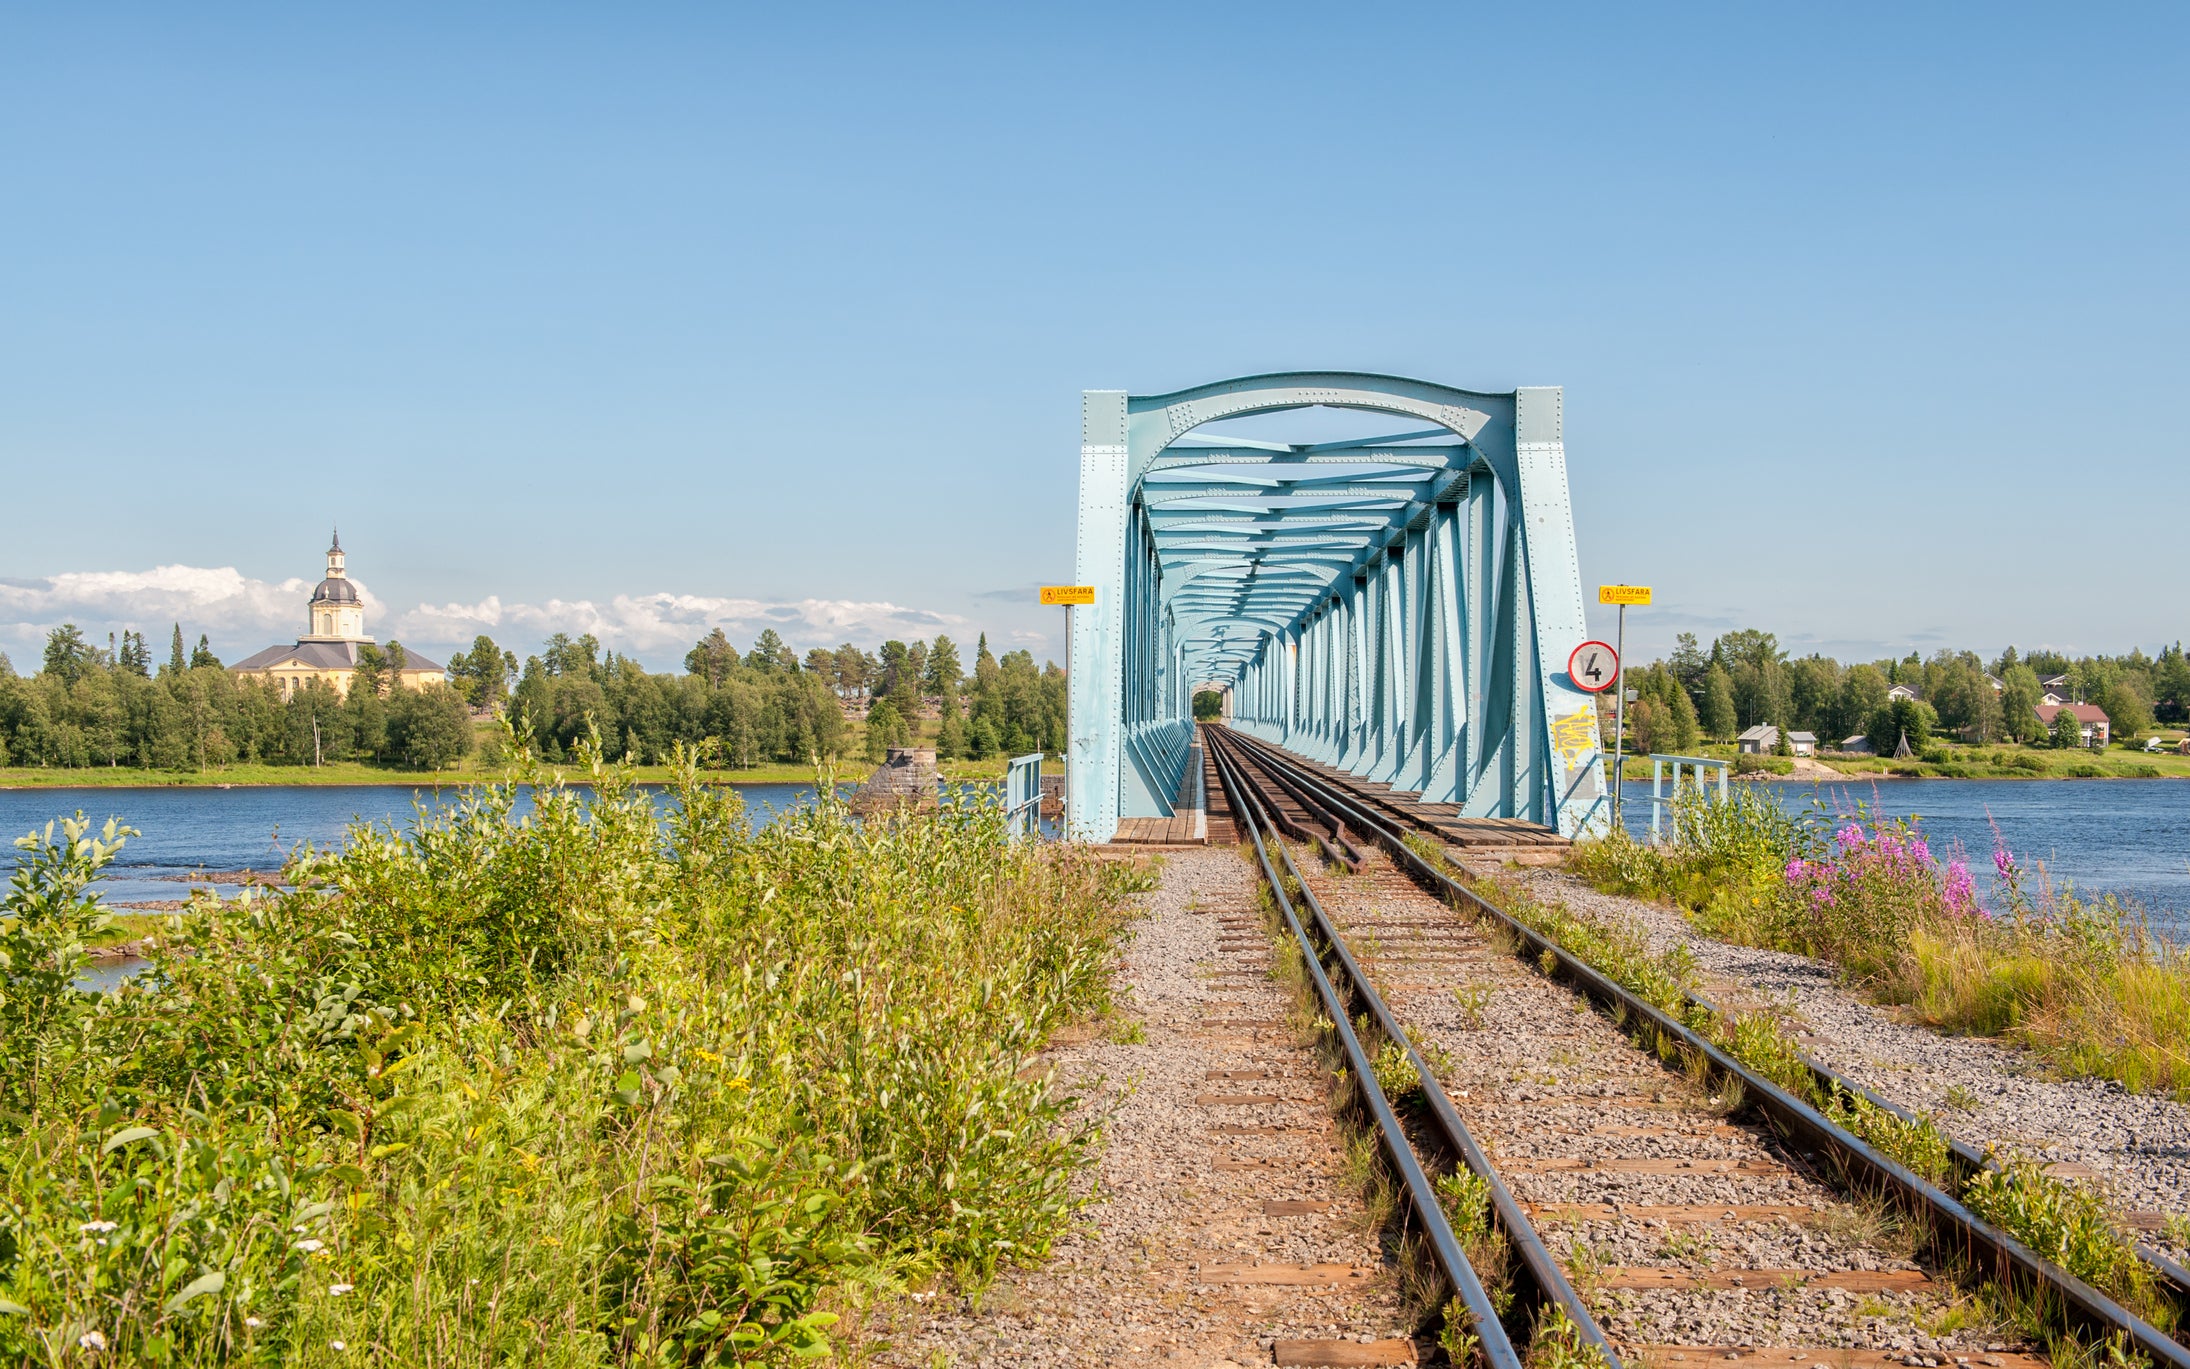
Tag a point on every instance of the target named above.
point(770, 655)
point(1784, 743)
point(852, 675)
point(68, 655)
point(2068, 732)
point(175, 661)
point(1208, 705)
point(950, 731)
point(885, 728)
point(428, 729)
point(712, 658)
point(481, 675)
point(943, 671)
point(562, 656)
point(202, 655)
point(1910, 718)
point(2019, 704)
point(135, 658)
point(1719, 720)
point(2126, 707)
point(1689, 664)
point(370, 674)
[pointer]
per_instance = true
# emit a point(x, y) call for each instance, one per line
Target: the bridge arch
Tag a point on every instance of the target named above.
point(1401, 605)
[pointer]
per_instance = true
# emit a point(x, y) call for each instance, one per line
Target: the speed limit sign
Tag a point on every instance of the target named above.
point(1593, 667)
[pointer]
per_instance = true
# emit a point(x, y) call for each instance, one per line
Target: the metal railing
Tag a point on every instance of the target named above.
point(1662, 798)
point(1023, 796)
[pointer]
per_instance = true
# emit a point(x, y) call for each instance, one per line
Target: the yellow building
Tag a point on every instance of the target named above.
point(329, 650)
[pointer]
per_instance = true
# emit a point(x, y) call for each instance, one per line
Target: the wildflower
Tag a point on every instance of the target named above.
point(253, 1322)
point(1851, 835)
point(309, 1247)
point(336, 1290)
point(1796, 868)
point(709, 1056)
point(2003, 860)
point(91, 1340)
point(737, 1083)
point(336, 1345)
point(1961, 889)
point(95, 1226)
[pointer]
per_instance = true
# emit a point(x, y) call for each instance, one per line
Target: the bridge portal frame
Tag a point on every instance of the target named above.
point(1411, 625)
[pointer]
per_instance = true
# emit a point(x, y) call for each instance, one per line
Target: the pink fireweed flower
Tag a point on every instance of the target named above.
point(2003, 860)
point(1961, 889)
point(1796, 868)
point(1851, 835)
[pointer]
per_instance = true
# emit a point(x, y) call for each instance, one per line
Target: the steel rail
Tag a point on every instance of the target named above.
point(2172, 1279)
point(1495, 1345)
point(2010, 1261)
point(1541, 1268)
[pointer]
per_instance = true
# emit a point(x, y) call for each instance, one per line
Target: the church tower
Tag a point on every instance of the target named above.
point(337, 613)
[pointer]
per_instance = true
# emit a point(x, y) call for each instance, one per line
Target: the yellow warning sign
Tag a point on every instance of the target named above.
point(1069, 594)
point(1623, 594)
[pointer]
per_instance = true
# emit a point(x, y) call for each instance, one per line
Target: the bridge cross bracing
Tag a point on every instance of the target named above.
point(1401, 606)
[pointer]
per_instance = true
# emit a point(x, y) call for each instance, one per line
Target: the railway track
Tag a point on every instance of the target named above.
point(1614, 1206)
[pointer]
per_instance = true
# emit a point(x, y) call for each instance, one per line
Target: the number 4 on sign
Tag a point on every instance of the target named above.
point(1593, 667)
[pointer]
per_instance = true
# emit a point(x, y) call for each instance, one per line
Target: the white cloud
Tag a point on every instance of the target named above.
point(242, 615)
point(221, 601)
point(658, 626)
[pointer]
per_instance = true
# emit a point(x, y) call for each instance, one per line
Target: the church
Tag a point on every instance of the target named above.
point(328, 651)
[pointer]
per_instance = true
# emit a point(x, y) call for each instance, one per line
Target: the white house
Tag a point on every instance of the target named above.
point(1764, 738)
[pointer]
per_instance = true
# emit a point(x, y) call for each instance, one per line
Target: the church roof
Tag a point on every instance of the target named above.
point(324, 656)
point(333, 591)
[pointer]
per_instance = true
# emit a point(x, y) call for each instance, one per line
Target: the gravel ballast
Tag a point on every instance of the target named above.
point(2136, 1145)
point(1139, 1281)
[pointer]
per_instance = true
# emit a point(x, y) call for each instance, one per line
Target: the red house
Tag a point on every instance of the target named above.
point(2093, 720)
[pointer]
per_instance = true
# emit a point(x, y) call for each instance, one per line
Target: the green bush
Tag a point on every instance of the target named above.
point(624, 1083)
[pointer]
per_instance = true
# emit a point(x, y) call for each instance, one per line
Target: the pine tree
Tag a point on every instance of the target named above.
point(1684, 727)
point(203, 655)
point(175, 660)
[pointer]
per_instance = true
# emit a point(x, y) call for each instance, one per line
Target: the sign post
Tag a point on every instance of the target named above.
point(1623, 595)
point(1068, 595)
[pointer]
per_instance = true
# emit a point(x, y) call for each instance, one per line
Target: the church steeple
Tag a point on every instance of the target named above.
point(337, 614)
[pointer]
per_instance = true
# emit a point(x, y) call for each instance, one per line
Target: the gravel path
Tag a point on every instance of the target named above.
point(2137, 1145)
point(1143, 1280)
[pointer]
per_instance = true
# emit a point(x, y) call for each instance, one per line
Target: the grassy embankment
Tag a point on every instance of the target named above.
point(2068, 1224)
point(552, 1092)
point(2082, 983)
point(481, 767)
point(1955, 760)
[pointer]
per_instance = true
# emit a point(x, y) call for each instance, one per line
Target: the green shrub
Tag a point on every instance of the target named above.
point(636, 1085)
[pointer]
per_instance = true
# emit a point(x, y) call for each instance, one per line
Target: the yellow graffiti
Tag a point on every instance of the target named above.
point(1574, 736)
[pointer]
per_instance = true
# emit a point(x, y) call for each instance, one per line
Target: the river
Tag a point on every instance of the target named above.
point(2129, 837)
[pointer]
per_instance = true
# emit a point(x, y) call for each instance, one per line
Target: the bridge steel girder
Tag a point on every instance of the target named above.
point(1407, 616)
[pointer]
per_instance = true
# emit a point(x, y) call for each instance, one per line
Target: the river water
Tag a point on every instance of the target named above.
point(2126, 837)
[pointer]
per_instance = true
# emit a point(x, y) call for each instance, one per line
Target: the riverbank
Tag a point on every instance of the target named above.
point(1951, 763)
point(350, 774)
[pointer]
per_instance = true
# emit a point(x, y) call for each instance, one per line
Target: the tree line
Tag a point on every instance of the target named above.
point(1745, 679)
point(109, 706)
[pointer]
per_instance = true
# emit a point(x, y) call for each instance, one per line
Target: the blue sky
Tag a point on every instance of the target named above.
point(1870, 317)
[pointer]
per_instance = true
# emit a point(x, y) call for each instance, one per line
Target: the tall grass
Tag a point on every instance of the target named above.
point(580, 1087)
point(2084, 983)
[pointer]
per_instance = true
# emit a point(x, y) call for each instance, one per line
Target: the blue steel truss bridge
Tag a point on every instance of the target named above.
point(1399, 606)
